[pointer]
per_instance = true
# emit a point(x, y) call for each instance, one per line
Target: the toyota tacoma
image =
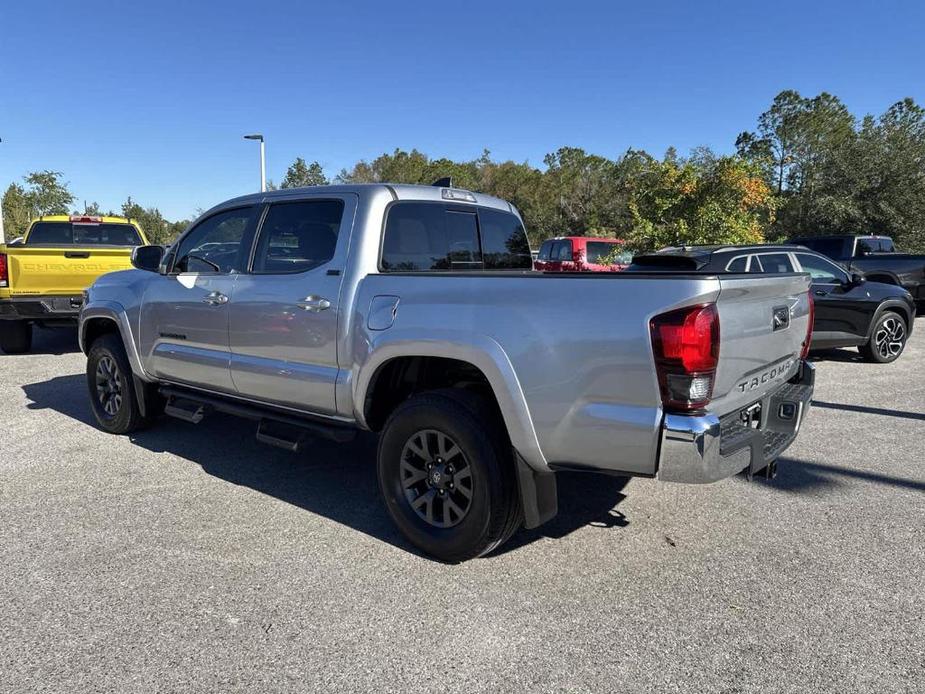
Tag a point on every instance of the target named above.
point(414, 312)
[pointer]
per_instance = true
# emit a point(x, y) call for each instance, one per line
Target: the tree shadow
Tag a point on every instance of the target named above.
point(54, 341)
point(337, 481)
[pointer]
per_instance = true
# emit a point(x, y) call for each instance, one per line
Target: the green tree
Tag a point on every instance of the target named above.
point(152, 222)
point(803, 145)
point(676, 202)
point(300, 175)
point(46, 194)
point(15, 211)
point(886, 176)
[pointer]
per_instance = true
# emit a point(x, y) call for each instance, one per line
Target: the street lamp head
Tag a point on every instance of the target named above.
point(254, 137)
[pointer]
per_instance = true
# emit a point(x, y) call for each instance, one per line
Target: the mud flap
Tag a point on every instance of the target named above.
point(538, 494)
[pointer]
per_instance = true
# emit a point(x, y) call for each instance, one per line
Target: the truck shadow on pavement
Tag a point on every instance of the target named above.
point(55, 341)
point(337, 481)
point(799, 476)
point(847, 355)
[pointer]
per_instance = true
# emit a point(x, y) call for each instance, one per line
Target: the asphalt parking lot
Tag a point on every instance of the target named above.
point(195, 559)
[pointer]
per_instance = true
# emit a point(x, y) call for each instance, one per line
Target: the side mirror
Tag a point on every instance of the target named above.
point(857, 279)
point(147, 257)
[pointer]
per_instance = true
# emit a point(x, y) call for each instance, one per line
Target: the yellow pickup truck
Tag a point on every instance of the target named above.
point(43, 275)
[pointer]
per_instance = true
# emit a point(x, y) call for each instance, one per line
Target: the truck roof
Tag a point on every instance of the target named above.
point(91, 218)
point(398, 191)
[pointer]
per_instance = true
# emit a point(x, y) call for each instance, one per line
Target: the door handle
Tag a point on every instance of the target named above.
point(314, 303)
point(215, 299)
point(819, 292)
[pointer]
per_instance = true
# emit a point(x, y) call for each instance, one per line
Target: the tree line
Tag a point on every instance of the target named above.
point(809, 167)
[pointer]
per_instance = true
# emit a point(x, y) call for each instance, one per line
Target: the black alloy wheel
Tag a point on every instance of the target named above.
point(437, 478)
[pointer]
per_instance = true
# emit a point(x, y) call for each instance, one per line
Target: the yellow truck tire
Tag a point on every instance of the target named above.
point(15, 336)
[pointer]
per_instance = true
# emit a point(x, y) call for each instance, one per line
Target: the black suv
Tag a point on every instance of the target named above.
point(876, 257)
point(850, 311)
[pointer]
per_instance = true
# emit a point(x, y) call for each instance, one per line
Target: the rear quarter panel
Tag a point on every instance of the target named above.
point(568, 357)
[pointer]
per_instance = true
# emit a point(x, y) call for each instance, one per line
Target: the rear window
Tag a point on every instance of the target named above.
point(875, 245)
point(72, 234)
point(504, 241)
point(834, 248)
point(886, 246)
point(597, 252)
point(435, 237)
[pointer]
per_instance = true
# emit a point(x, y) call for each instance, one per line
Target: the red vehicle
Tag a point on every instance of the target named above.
point(582, 254)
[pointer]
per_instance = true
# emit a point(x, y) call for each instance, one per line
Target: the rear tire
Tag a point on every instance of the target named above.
point(15, 336)
point(111, 387)
point(887, 339)
point(447, 476)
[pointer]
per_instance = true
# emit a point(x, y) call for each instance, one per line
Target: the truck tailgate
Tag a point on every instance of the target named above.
point(67, 271)
point(763, 325)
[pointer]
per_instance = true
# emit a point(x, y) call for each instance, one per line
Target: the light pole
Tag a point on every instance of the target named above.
point(2, 237)
point(263, 160)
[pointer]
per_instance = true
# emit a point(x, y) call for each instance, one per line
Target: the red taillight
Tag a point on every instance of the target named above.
point(686, 347)
point(809, 327)
point(4, 271)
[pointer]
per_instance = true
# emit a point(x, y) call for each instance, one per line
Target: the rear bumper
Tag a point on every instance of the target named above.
point(41, 308)
point(707, 448)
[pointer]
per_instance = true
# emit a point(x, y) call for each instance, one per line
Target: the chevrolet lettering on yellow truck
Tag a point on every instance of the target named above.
point(43, 277)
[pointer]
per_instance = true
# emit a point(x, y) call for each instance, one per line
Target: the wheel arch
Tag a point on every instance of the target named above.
point(896, 306)
point(98, 319)
point(481, 360)
point(94, 328)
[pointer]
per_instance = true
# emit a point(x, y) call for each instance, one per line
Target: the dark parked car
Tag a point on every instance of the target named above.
point(851, 311)
point(876, 257)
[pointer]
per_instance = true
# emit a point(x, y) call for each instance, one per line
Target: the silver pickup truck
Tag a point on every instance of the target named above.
point(414, 312)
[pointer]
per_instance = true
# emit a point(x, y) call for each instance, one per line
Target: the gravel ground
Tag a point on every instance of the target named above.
point(191, 558)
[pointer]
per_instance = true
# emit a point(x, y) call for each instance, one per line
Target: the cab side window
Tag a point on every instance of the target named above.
point(738, 264)
point(298, 236)
point(564, 251)
point(214, 245)
point(424, 236)
point(821, 270)
point(775, 262)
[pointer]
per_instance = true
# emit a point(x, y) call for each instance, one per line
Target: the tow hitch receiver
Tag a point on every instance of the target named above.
point(768, 473)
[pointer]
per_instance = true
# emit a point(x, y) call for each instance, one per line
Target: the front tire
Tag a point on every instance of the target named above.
point(112, 388)
point(15, 336)
point(446, 473)
point(887, 339)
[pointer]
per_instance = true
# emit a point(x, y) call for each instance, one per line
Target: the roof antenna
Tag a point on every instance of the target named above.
point(445, 182)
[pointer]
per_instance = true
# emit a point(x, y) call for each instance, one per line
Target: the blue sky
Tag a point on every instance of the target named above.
point(151, 99)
